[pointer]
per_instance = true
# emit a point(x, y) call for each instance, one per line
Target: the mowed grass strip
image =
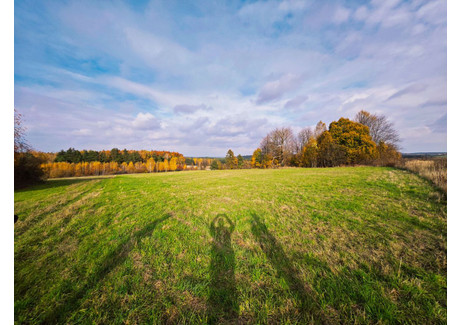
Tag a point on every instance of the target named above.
point(339, 245)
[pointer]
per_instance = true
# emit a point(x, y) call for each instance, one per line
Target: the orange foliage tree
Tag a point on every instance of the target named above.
point(354, 139)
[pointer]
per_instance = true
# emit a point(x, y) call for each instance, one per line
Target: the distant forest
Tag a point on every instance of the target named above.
point(368, 139)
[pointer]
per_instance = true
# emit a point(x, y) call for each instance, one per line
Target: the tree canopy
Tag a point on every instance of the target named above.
point(354, 139)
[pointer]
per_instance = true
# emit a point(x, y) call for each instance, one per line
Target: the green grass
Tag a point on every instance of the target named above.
point(338, 245)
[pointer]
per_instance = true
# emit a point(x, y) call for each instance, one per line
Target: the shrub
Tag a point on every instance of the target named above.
point(27, 169)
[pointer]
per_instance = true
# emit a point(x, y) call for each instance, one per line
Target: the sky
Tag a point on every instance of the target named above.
point(201, 77)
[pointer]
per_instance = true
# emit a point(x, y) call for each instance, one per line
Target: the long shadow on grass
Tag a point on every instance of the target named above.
point(73, 300)
point(27, 222)
point(308, 307)
point(223, 298)
point(54, 183)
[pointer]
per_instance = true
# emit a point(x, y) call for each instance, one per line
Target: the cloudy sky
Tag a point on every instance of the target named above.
point(200, 77)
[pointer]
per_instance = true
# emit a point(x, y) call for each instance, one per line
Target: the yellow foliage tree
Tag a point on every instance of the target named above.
point(95, 167)
point(77, 170)
point(354, 139)
point(161, 166)
point(150, 165)
point(310, 153)
point(140, 167)
point(124, 167)
point(256, 160)
point(130, 168)
point(173, 164)
point(113, 167)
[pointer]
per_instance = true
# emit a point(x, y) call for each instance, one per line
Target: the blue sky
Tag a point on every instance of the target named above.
point(200, 77)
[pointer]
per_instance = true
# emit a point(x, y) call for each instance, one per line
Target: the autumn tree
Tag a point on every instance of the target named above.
point(86, 169)
point(161, 166)
point(329, 153)
point(388, 155)
point(181, 163)
point(166, 165)
point(256, 160)
point(131, 168)
point(269, 162)
point(240, 161)
point(354, 139)
point(139, 167)
point(384, 135)
point(113, 167)
point(231, 161)
point(124, 167)
point(309, 155)
point(150, 165)
point(246, 164)
point(173, 164)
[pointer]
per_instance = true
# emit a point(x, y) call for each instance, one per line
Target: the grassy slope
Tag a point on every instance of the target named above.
point(323, 245)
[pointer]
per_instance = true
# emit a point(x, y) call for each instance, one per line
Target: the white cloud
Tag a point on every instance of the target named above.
point(275, 89)
point(296, 101)
point(146, 121)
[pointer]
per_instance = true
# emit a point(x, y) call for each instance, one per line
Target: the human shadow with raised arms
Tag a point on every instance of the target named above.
point(223, 297)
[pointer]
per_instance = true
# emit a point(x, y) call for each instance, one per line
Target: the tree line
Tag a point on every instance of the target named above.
point(76, 163)
point(94, 168)
point(115, 155)
point(367, 139)
point(230, 162)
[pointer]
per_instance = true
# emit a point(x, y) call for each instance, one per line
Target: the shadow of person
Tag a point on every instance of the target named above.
point(308, 307)
point(223, 298)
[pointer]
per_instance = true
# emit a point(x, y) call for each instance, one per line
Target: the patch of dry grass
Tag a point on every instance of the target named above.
point(434, 170)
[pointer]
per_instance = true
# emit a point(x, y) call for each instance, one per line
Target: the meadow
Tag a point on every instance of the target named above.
point(352, 245)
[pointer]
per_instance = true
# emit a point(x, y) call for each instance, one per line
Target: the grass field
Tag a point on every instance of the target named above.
point(337, 245)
